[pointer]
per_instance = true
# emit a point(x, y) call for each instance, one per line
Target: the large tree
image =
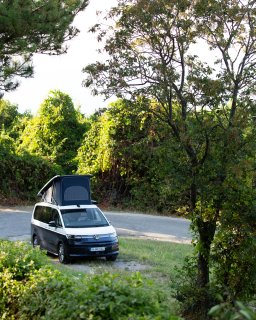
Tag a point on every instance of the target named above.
point(151, 48)
point(8, 114)
point(28, 27)
point(125, 150)
point(56, 132)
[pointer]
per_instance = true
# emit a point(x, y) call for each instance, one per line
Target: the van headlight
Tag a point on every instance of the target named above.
point(113, 236)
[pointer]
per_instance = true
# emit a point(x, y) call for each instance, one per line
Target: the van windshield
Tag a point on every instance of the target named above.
point(83, 218)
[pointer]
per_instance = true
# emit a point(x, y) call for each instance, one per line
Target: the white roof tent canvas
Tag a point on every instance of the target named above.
point(67, 190)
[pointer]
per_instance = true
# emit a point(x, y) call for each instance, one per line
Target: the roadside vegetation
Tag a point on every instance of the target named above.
point(180, 138)
point(31, 287)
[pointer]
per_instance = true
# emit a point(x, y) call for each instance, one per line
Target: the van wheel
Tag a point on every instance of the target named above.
point(62, 253)
point(36, 242)
point(111, 258)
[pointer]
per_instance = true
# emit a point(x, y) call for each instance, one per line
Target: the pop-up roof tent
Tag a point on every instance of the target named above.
point(67, 190)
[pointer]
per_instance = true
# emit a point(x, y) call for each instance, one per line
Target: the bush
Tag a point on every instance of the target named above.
point(228, 311)
point(190, 296)
point(18, 261)
point(52, 295)
point(31, 289)
point(22, 175)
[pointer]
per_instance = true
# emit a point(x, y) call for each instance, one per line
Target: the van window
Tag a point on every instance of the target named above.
point(56, 218)
point(75, 190)
point(43, 214)
point(76, 193)
point(83, 218)
point(47, 214)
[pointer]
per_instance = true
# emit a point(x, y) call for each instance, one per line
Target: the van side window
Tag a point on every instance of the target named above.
point(47, 214)
point(56, 218)
point(38, 213)
point(42, 214)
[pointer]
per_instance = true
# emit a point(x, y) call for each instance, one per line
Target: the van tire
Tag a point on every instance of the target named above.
point(62, 253)
point(36, 242)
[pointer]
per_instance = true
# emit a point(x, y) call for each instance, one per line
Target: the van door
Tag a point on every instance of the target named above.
point(54, 234)
point(39, 226)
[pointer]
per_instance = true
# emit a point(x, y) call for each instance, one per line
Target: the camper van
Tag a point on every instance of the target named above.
point(67, 222)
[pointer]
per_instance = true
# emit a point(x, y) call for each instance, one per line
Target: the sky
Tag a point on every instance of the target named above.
point(64, 72)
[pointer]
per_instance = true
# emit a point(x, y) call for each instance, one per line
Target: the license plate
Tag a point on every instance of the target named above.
point(98, 249)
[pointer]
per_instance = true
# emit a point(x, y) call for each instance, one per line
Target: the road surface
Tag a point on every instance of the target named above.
point(15, 225)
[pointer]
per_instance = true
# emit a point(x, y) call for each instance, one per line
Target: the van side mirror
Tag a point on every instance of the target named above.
point(52, 224)
point(94, 201)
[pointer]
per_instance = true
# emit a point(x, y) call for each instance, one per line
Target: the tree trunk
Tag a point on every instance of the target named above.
point(206, 231)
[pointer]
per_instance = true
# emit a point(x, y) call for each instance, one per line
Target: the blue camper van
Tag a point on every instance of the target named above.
point(67, 222)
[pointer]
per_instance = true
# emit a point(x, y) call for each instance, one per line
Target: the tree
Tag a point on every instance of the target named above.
point(8, 114)
point(56, 132)
point(12, 122)
point(125, 150)
point(28, 27)
point(113, 150)
point(150, 48)
point(21, 174)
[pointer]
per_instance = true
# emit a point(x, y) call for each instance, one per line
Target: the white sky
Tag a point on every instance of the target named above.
point(64, 72)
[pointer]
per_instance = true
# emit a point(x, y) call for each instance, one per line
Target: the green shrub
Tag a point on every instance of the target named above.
point(31, 289)
point(52, 295)
point(20, 259)
point(22, 175)
point(230, 311)
point(10, 291)
point(189, 294)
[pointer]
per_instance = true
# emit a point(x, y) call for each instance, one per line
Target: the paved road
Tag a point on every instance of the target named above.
point(15, 225)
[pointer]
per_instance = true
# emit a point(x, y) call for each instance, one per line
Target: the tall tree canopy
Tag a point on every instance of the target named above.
point(150, 48)
point(56, 132)
point(28, 27)
point(8, 114)
point(125, 150)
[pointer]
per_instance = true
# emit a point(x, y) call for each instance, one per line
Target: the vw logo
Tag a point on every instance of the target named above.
point(96, 237)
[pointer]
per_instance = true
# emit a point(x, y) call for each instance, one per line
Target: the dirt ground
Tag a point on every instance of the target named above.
point(131, 266)
point(94, 266)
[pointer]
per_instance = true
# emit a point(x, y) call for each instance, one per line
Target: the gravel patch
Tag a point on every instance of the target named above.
point(103, 265)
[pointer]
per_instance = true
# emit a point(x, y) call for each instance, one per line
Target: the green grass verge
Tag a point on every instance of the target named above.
point(160, 259)
point(162, 256)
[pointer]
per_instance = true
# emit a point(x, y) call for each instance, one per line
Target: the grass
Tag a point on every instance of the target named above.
point(161, 257)
point(164, 257)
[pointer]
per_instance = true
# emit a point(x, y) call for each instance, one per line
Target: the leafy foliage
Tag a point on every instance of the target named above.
point(207, 106)
point(41, 292)
point(227, 311)
point(20, 259)
point(29, 27)
point(22, 174)
point(56, 132)
point(8, 114)
point(125, 149)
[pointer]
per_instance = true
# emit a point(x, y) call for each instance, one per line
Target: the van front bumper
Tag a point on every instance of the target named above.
point(92, 249)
